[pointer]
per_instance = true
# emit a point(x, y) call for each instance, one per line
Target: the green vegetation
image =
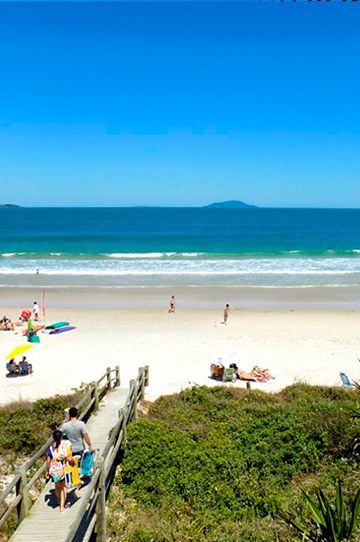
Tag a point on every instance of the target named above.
point(25, 426)
point(224, 465)
point(329, 523)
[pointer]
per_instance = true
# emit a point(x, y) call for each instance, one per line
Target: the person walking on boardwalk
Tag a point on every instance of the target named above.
point(77, 433)
point(226, 313)
point(58, 455)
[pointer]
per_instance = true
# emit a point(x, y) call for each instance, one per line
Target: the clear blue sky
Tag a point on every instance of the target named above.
point(180, 103)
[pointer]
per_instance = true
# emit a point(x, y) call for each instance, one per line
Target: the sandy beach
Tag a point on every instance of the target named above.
point(296, 341)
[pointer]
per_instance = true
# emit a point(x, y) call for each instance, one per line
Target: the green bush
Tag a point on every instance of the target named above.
point(25, 426)
point(218, 464)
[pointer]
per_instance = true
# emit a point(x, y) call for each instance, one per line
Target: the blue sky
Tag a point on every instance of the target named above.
point(180, 103)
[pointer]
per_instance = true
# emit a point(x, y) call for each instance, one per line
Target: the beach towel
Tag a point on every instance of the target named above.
point(87, 464)
point(72, 474)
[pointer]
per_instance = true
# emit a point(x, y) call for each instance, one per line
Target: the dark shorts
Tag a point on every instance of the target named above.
point(78, 454)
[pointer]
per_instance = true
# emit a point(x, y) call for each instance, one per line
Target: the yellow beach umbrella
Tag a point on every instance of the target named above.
point(18, 351)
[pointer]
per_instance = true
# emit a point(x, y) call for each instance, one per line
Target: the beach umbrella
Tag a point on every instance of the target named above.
point(18, 351)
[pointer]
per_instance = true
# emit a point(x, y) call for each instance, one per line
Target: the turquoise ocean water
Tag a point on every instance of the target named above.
point(180, 246)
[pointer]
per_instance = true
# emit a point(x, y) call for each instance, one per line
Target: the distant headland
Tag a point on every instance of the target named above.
point(232, 204)
point(9, 206)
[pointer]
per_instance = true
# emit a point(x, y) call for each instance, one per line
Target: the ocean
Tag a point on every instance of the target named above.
point(152, 247)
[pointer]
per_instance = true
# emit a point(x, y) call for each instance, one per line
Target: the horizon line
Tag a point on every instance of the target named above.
point(174, 206)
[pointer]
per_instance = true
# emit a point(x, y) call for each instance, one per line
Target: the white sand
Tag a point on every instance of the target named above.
point(308, 345)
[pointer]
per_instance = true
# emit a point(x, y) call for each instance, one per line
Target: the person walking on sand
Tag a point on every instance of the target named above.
point(77, 433)
point(172, 307)
point(36, 311)
point(226, 313)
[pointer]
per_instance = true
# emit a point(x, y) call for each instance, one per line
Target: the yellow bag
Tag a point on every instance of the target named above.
point(72, 474)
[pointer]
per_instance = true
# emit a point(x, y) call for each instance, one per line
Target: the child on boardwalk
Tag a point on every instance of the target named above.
point(58, 455)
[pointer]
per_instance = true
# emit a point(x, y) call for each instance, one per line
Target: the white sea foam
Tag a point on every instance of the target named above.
point(159, 268)
point(150, 255)
point(133, 255)
point(157, 265)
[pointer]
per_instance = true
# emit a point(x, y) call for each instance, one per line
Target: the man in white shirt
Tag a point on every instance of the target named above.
point(36, 311)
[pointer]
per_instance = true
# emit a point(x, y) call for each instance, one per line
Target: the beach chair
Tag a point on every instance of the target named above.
point(229, 375)
point(10, 369)
point(24, 369)
point(346, 381)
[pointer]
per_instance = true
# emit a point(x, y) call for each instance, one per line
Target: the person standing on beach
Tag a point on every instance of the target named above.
point(172, 308)
point(36, 311)
point(77, 433)
point(226, 313)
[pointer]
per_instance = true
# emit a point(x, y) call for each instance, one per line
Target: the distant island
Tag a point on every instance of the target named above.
point(9, 206)
point(232, 204)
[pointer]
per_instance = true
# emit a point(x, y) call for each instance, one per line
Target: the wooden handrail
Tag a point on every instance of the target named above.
point(83, 506)
point(19, 483)
point(10, 487)
point(94, 501)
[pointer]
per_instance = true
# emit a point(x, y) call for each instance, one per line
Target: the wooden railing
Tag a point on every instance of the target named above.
point(91, 517)
point(17, 491)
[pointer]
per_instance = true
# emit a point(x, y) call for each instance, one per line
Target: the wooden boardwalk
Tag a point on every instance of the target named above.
point(45, 522)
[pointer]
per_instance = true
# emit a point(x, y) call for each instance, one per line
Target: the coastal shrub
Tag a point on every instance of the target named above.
point(220, 460)
point(24, 426)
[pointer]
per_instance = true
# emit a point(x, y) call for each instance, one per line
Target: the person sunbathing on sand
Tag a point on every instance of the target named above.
point(243, 375)
point(257, 374)
point(261, 375)
point(6, 324)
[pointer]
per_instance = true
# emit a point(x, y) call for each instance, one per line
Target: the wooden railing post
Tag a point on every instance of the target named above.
point(142, 382)
point(133, 400)
point(146, 375)
point(96, 396)
point(22, 490)
point(108, 377)
point(248, 385)
point(101, 506)
point(117, 376)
